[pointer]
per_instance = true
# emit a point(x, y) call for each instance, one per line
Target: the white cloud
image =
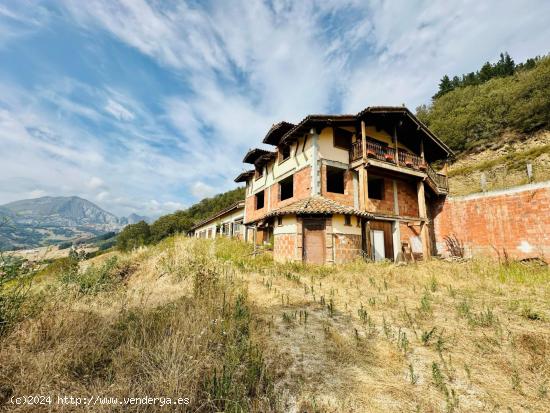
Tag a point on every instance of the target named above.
point(202, 190)
point(95, 182)
point(244, 65)
point(37, 193)
point(118, 111)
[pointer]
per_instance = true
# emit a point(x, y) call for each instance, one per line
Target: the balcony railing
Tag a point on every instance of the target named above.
point(441, 181)
point(404, 159)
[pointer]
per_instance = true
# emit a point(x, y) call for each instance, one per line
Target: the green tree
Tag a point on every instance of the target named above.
point(445, 86)
point(178, 222)
point(133, 236)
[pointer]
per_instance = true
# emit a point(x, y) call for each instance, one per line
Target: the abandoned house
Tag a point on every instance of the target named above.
point(226, 223)
point(337, 187)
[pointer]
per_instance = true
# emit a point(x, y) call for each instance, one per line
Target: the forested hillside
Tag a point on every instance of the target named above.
point(142, 233)
point(474, 110)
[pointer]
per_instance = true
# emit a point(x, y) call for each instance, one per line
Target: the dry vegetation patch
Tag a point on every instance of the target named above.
point(237, 332)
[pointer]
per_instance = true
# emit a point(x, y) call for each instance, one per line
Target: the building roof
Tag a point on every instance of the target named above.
point(312, 121)
point(277, 131)
point(244, 176)
point(437, 150)
point(229, 209)
point(317, 205)
point(254, 154)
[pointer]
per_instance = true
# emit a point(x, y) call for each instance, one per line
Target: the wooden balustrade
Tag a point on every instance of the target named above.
point(405, 159)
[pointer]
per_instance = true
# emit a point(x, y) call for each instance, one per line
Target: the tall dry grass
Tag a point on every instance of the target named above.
point(237, 332)
point(101, 333)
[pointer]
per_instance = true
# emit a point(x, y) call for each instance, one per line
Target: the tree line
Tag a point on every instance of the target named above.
point(142, 233)
point(475, 115)
point(505, 66)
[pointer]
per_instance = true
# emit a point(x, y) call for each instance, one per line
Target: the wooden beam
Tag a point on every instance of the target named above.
point(395, 143)
point(364, 140)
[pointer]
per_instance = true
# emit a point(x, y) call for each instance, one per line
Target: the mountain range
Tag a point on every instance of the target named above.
point(48, 220)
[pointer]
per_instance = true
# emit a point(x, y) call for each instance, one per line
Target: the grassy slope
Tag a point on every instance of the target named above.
point(434, 336)
point(504, 166)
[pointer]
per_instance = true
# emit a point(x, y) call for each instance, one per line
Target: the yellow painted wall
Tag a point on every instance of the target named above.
point(327, 149)
point(339, 227)
point(383, 136)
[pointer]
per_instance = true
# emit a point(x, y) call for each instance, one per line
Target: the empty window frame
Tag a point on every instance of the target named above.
point(259, 171)
point(259, 200)
point(347, 220)
point(342, 138)
point(284, 153)
point(280, 221)
point(286, 188)
point(376, 188)
point(335, 179)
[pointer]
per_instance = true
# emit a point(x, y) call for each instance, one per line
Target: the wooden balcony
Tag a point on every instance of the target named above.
point(404, 159)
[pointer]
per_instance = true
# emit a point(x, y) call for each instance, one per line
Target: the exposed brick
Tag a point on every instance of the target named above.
point(516, 223)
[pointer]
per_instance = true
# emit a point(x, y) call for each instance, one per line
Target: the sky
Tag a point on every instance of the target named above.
point(149, 106)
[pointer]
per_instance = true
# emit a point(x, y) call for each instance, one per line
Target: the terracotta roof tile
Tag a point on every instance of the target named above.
point(317, 205)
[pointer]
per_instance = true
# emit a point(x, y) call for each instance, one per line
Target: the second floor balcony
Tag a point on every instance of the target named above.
point(402, 158)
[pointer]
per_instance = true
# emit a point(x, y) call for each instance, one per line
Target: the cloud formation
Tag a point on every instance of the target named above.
point(151, 105)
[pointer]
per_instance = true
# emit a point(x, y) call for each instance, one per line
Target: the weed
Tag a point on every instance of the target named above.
point(425, 303)
point(438, 379)
point(530, 314)
point(413, 377)
point(427, 335)
point(433, 284)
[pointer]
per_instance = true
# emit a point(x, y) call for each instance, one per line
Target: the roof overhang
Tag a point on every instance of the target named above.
point(254, 154)
point(244, 176)
point(277, 131)
point(317, 122)
point(237, 205)
point(409, 129)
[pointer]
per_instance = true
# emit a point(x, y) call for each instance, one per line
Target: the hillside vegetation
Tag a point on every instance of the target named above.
point(142, 233)
point(474, 115)
point(232, 331)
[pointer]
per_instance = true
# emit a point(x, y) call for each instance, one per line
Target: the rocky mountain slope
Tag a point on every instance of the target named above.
point(48, 220)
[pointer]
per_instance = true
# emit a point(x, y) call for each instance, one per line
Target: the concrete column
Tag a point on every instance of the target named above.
point(395, 198)
point(315, 184)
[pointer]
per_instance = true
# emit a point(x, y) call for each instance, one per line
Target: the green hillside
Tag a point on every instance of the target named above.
point(180, 221)
point(472, 112)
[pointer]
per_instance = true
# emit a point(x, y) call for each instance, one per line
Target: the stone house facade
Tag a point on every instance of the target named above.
point(337, 187)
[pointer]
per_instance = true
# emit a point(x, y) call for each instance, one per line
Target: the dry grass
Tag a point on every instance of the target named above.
point(435, 336)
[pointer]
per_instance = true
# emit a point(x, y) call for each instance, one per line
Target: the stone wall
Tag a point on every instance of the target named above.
point(515, 222)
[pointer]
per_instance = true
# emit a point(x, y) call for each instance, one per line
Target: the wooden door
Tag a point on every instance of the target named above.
point(314, 241)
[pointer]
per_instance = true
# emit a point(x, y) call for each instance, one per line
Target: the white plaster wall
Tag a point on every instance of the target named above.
point(289, 225)
point(275, 171)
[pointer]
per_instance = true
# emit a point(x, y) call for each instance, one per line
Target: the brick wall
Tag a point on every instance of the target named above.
point(302, 189)
point(347, 247)
point(407, 199)
point(284, 248)
point(347, 197)
point(516, 221)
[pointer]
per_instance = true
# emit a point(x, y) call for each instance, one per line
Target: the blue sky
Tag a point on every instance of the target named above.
point(148, 107)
